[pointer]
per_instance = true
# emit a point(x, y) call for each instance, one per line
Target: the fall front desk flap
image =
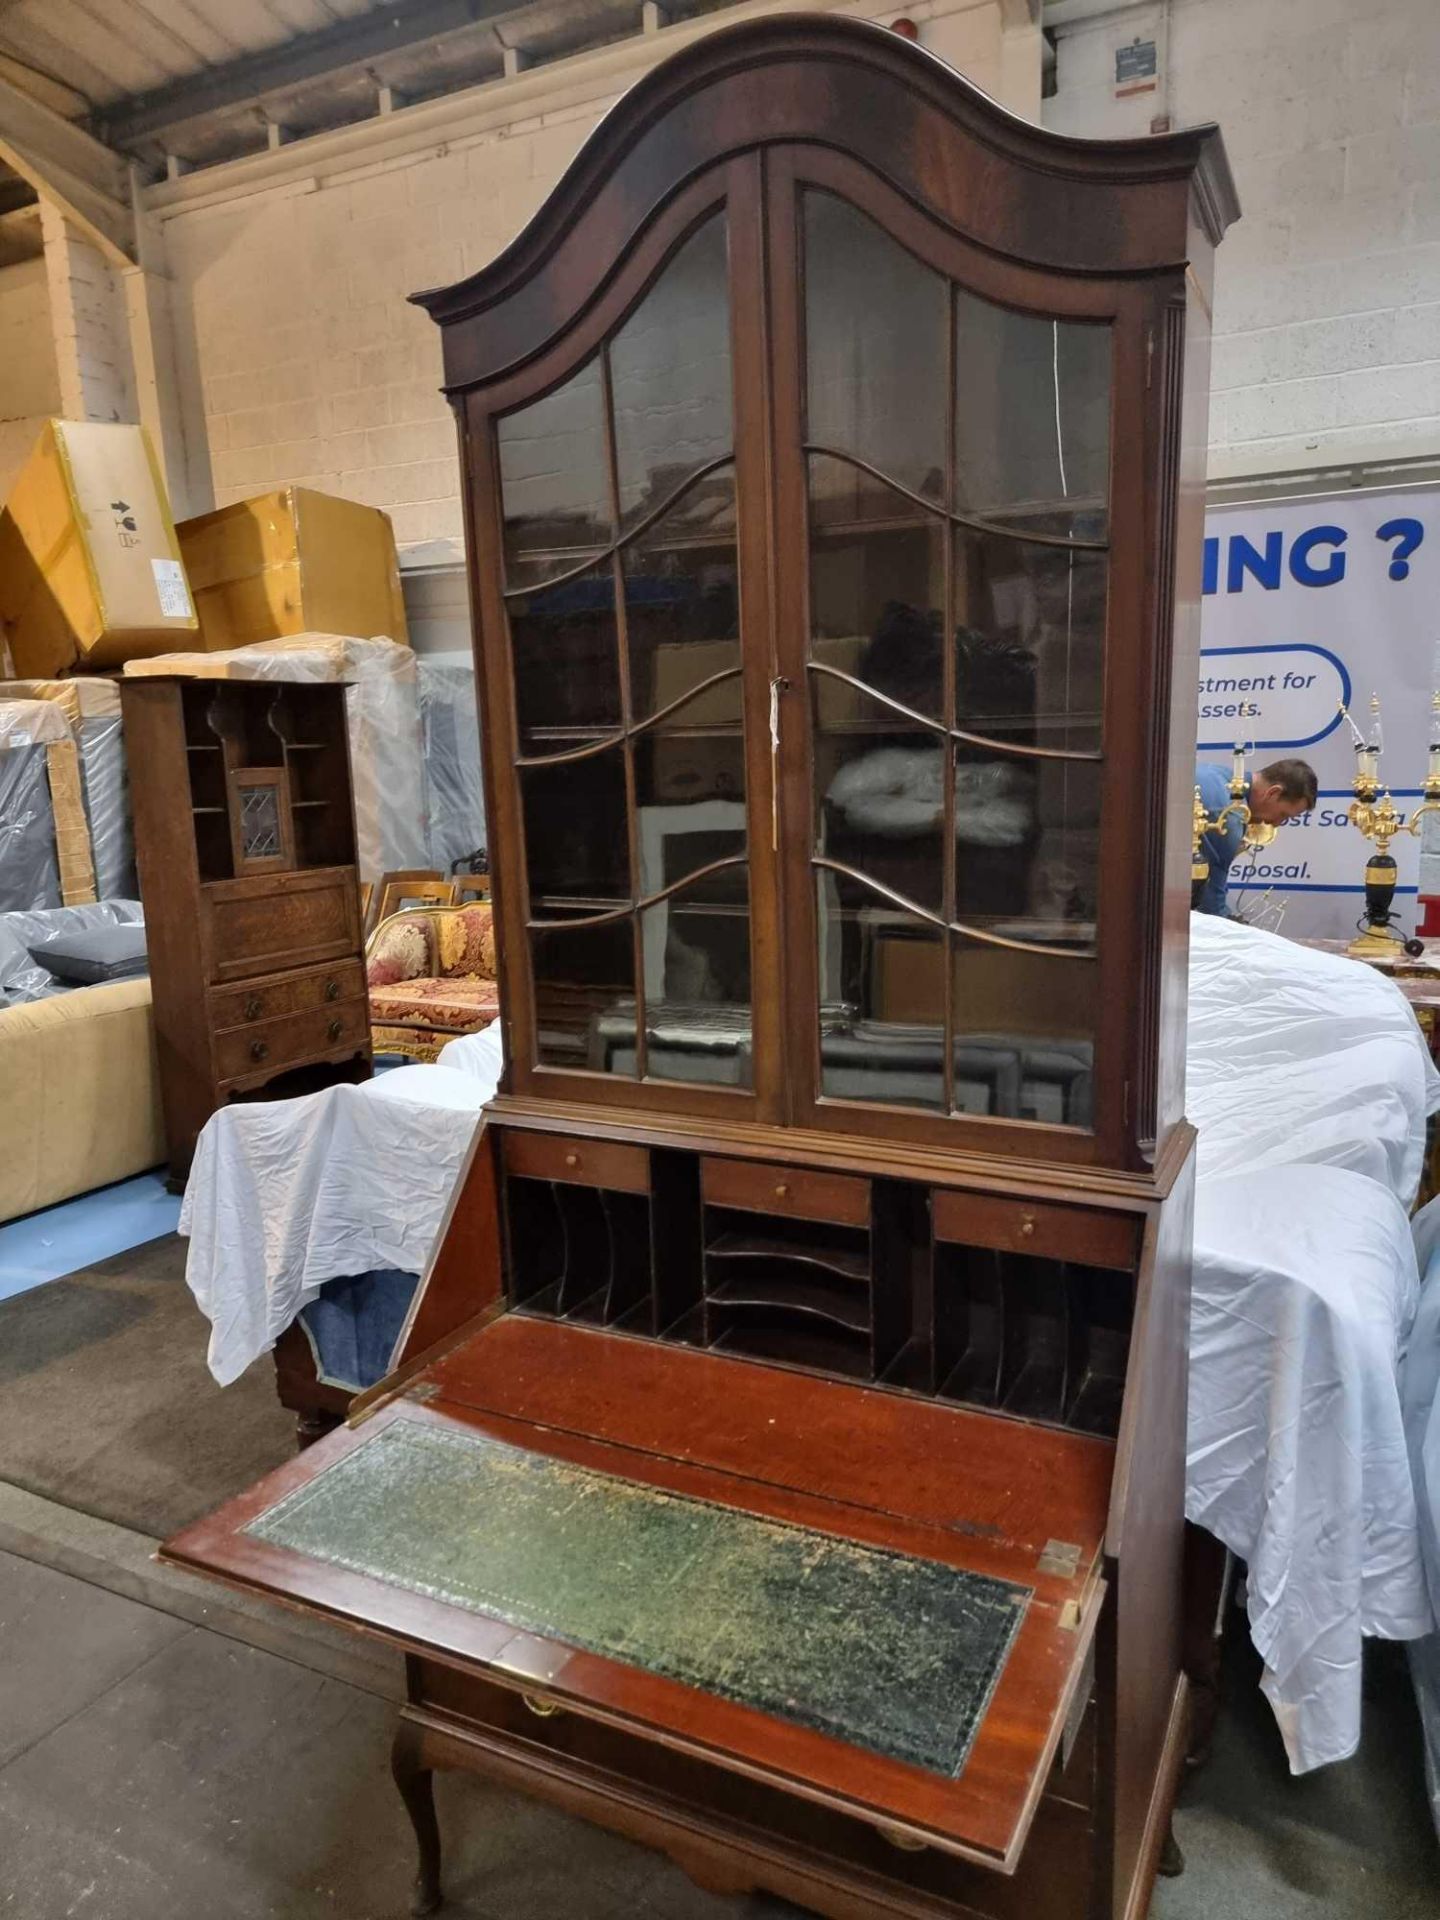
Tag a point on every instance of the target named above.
point(901, 1655)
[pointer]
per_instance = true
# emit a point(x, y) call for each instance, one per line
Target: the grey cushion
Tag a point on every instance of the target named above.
point(94, 955)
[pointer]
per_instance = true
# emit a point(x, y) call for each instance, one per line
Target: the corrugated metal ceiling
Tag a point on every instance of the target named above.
point(108, 50)
point(194, 82)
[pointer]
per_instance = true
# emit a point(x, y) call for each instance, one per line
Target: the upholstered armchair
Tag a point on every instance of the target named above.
point(431, 976)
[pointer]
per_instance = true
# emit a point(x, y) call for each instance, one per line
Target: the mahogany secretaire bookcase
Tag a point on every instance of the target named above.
point(784, 1465)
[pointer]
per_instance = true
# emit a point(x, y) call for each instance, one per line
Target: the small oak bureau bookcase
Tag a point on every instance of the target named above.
point(245, 841)
point(784, 1460)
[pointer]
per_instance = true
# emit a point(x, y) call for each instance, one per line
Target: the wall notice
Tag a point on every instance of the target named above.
point(1305, 605)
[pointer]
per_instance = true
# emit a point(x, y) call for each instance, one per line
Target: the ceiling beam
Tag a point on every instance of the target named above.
point(65, 165)
point(349, 45)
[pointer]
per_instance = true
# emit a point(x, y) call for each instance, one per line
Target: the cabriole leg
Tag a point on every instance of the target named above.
point(416, 1782)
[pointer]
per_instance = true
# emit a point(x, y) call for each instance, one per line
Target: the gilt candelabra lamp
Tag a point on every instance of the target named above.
point(1375, 814)
point(1255, 834)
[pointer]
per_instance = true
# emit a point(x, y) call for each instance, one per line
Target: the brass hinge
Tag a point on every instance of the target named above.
point(1059, 1557)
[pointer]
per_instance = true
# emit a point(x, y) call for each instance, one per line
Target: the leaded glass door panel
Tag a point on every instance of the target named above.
point(943, 645)
point(620, 532)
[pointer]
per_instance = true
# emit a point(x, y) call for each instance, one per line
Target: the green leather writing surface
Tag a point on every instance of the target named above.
point(878, 1649)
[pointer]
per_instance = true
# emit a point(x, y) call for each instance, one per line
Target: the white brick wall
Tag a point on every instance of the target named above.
point(1327, 298)
point(29, 382)
point(302, 355)
point(88, 325)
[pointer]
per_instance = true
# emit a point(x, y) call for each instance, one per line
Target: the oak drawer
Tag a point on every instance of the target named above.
point(279, 923)
point(795, 1191)
point(269, 1046)
point(286, 993)
point(1079, 1234)
point(583, 1163)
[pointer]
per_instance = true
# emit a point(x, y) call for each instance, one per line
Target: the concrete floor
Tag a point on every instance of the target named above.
point(156, 1764)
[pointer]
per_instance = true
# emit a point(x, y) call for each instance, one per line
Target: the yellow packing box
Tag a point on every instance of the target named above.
point(293, 562)
point(90, 571)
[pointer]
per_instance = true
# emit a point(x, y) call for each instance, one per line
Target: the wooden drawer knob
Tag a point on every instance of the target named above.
point(332, 989)
point(337, 1027)
point(572, 1159)
point(259, 1050)
point(253, 1008)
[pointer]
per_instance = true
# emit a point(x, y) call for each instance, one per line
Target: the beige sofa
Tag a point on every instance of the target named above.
point(81, 1104)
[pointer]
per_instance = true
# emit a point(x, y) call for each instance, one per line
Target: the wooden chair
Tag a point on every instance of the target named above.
point(401, 889)
point(470, 886)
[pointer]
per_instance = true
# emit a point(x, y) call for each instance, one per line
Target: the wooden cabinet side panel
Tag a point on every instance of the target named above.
point(1145, 1535)
point(169, 883)
point(466, 1271)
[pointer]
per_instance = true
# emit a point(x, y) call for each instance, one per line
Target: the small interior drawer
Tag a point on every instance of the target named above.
point(286, 993)
point(1086, 1237)
point(583, 1163)
point(269, 1046)
point(796, 1191)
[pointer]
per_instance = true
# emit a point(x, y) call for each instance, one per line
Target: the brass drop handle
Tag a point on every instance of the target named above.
point(1027, 1224)
point(543, 1709)
point(253, 1008)
point(781, 1189)
point(332, 989)
point(337, 1027)
point(572, 1159)
point(259, 1050)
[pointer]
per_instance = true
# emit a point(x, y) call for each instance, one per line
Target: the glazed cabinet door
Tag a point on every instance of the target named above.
point(621, 530)
point(953, 724)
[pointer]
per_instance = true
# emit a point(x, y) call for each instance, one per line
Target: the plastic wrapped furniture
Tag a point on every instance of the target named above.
point(24, 937)
point(37, 767)
point(455, 800)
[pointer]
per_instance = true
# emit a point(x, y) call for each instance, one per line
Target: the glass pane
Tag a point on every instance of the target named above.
point(670, 374)
point(554, 486)
point(877, 587)
point(1032, 420)
point(697, 982)
point(875, 325)
point(1027, 1022)
point(584, 981)
point(682, 599)
point(564, 645)
point(1029, 640)
point(260, 823)
point(690, 792)
point(882, 990)
point(879, 793)
point(1027, 847)
point(576, 844)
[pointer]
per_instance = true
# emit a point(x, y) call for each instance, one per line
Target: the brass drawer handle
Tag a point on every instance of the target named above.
point(1027, 1224)
point(332, 989)
point(337, 1027)
point(782, 1189)
point(572, 1159)
point(254, 1008)
point(905, 1842)
point(259, 1050)
point(542, 1708)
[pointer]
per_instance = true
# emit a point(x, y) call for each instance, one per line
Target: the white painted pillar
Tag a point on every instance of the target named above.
point(88, 324)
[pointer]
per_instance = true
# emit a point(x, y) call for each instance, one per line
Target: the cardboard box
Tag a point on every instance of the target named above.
point(90, 569)
point(293, 562)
